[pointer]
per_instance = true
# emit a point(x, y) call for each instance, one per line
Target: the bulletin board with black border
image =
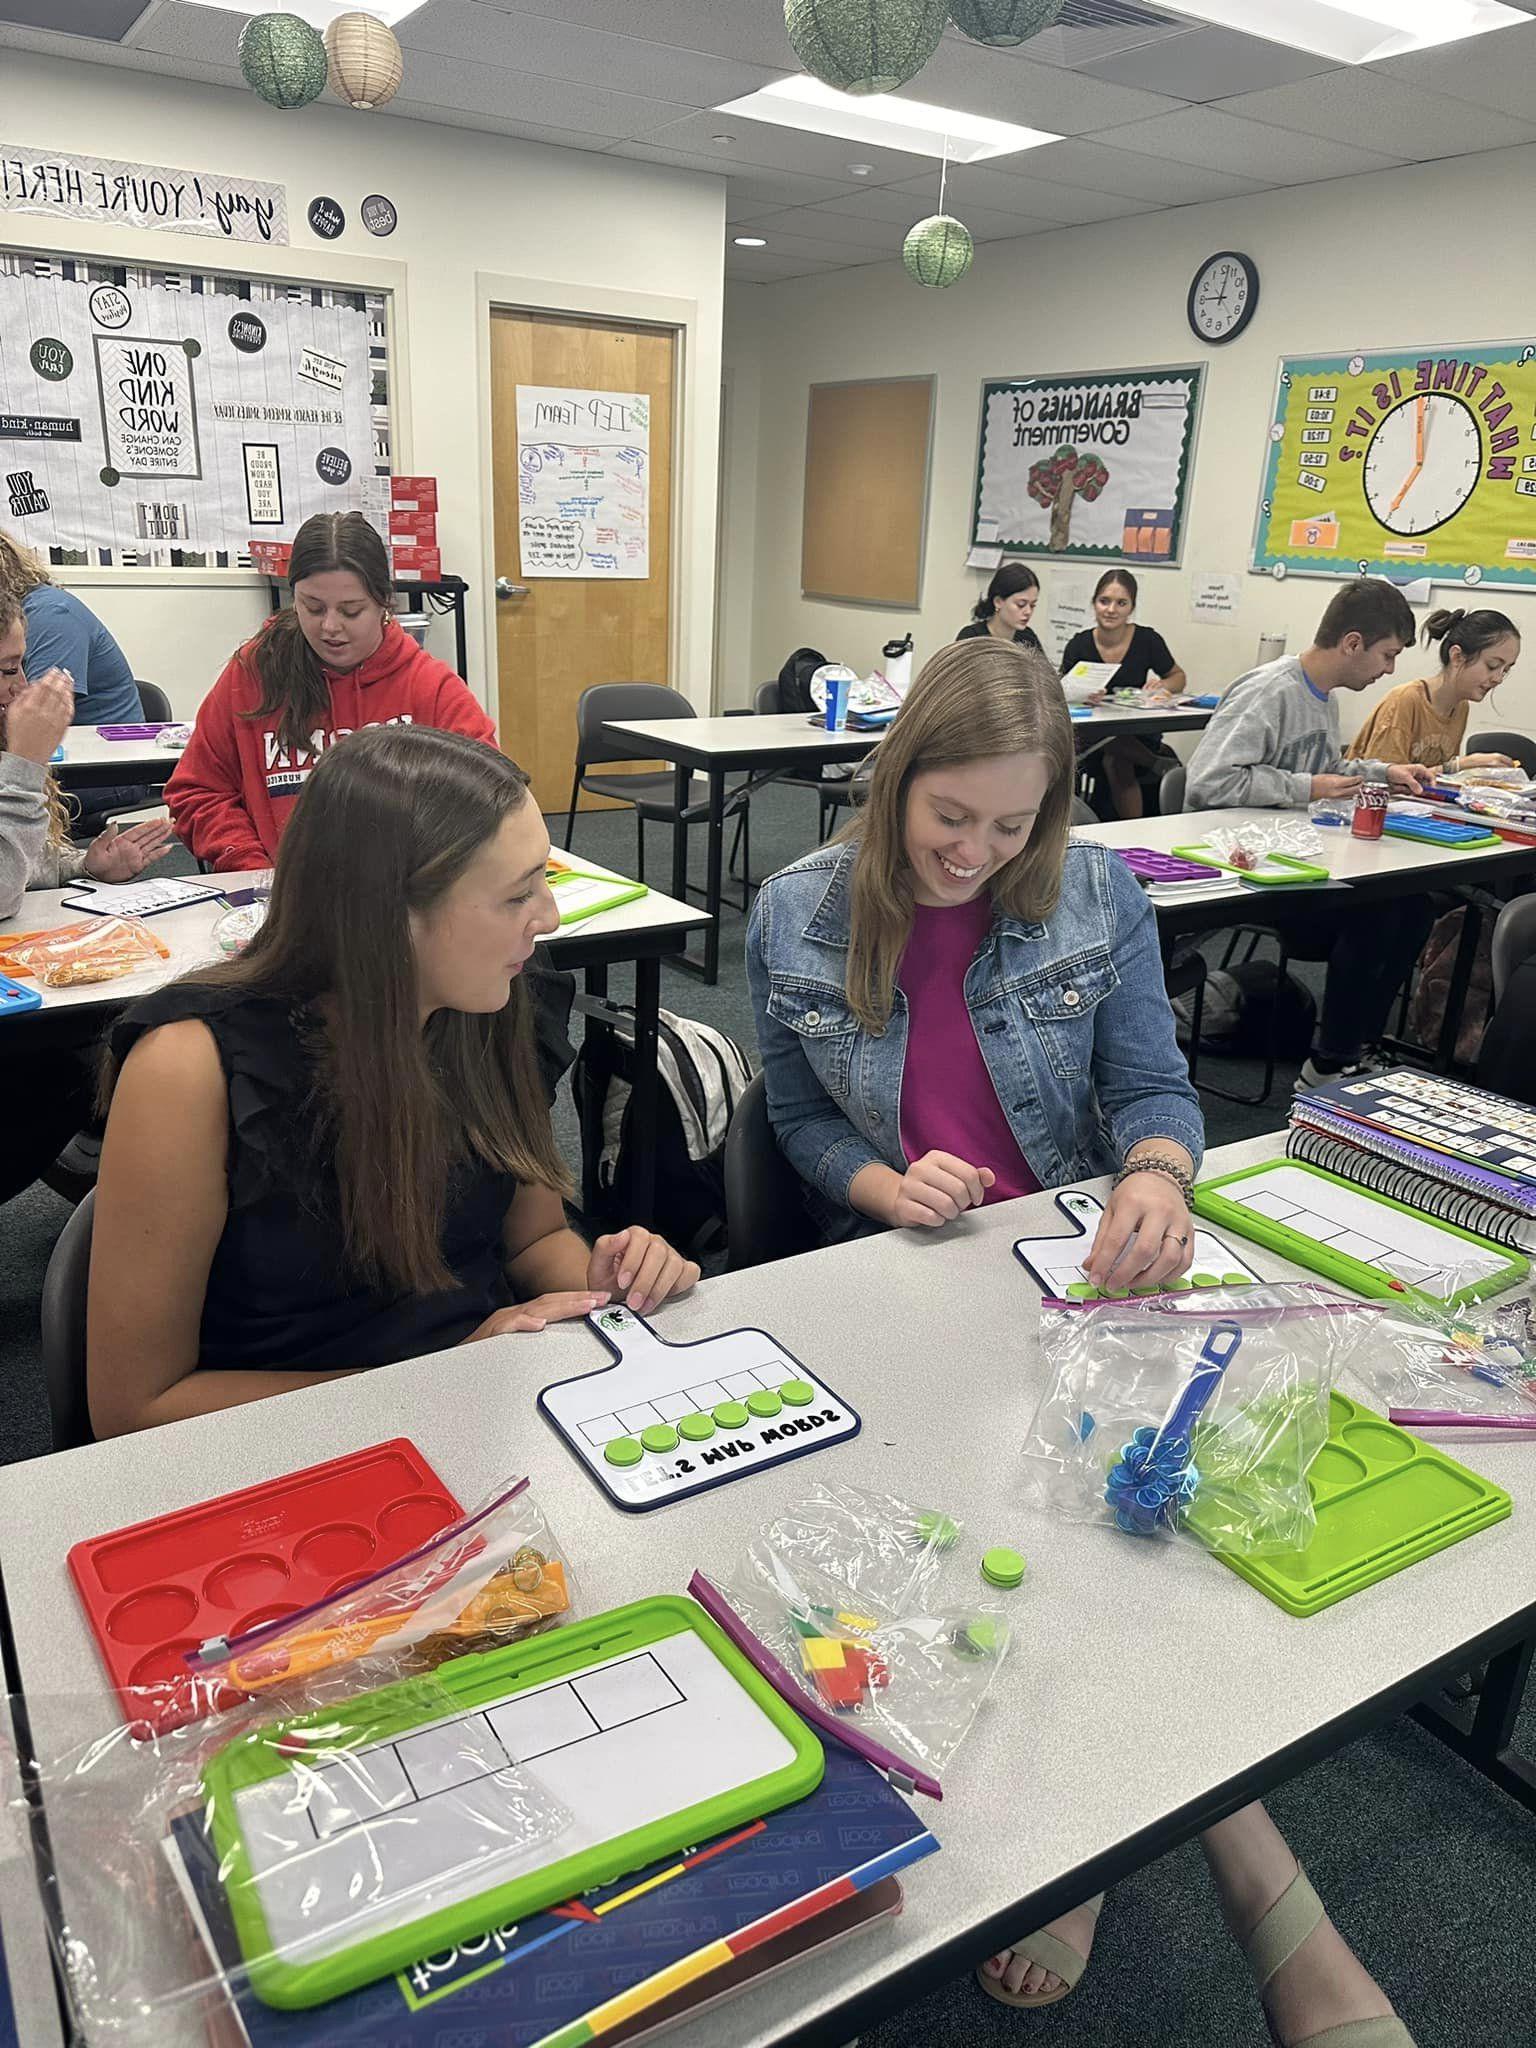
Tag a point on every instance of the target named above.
point(1413, 463)
point(158, 418)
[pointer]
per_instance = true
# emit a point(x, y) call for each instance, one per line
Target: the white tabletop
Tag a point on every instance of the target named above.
point(189, 933)
point(1346, 858)
point(1143, 1676)
point(780, 732)
point(84, 747)
point(1167, 717)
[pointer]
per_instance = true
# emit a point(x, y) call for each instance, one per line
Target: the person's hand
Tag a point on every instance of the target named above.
point(1483, 761)
point(937, 1188)
point(533, 1315)
point(1145, 1236)
point(116, 856)
point(37, 719)
point(1408, 778)
point(640, 1268)
point(1345, 786)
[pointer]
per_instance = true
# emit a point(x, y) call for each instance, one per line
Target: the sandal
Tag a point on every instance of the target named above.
point(1283, 1929)
point(1049, 1952)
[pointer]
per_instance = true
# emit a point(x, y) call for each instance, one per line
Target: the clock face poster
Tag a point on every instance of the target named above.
point(1406, 463)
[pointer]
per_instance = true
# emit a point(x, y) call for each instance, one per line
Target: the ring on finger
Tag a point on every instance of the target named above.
point(1177, 1236)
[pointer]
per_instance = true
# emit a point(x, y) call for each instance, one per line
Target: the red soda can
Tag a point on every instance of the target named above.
point(1370, 819)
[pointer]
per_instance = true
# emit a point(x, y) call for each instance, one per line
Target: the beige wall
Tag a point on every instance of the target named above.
point(1416, 256)
point(549, 226)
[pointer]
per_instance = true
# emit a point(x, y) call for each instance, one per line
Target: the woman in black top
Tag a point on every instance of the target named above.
point(1142, 657)
point(336, 1152)
point(1006, 607)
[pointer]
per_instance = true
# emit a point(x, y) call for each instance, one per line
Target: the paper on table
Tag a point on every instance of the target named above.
point(1087, 679)
point(141, 899)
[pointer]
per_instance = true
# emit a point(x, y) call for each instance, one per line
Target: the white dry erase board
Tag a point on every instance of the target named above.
point(1057, 1262)
point(665, 1421)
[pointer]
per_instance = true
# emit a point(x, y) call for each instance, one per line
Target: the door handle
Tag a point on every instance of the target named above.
point(506, 588)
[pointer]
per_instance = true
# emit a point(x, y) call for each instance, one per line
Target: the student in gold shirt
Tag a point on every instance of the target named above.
point(1427, 721)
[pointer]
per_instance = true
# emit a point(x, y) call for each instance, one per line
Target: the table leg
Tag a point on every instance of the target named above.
point(682, 780)
point(712, 886)
point(645, 1088)
point(1486, 1739)
point(595, 982)
point(460, 636)
point(1461, 981)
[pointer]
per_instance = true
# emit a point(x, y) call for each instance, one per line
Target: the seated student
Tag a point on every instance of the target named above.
point(1006, 607)
point(335, 1152)
point(1274, 742)
point(47, 1094)
point(1427, 720)
point(955, 1004)
point(63, 633)
point(332, 662)
point(1144, 661)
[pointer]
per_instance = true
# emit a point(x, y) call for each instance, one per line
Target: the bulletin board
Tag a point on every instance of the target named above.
point(156, 418)
point(1087, 467)
point(867, 453)
point(1410, 463)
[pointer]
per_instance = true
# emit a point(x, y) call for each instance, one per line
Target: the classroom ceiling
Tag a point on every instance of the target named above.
point(1155, 110)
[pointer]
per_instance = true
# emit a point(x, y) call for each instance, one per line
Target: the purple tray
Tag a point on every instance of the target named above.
point(1148, 866)
point(130, 732)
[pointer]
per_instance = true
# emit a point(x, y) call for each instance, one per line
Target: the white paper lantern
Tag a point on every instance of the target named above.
point(366, 65)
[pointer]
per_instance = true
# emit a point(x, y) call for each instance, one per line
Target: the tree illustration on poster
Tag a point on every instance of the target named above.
point(1093, 467)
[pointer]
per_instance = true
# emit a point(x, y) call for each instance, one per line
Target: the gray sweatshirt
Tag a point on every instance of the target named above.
point(27, 861)
point(1270, 735)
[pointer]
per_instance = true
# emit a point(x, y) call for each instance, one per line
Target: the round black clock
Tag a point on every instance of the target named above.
point(1224, 296)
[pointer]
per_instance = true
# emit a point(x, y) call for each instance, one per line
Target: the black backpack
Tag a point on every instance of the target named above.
point(795, 679)
point(703, 1076)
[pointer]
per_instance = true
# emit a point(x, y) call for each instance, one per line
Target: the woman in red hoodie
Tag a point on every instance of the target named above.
point(332, 662)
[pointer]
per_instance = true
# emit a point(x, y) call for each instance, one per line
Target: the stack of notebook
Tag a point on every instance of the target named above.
point(1456, 1153)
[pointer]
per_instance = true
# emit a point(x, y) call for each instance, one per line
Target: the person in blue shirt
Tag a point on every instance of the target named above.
point(64, 633)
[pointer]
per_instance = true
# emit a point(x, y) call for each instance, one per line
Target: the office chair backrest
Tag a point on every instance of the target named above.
point(1083, 814)
point(65, 1286)
point(157, 706)
point(1514, 940)
point(765, 1212)
point(1515, 744)
point(1170, 794)
point(604, 701)
point(766, 702)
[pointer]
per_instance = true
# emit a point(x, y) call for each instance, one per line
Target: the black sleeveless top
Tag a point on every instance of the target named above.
point(280, 1294)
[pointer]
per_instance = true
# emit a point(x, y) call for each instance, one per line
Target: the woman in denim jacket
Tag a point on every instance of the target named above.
point(957, 1005)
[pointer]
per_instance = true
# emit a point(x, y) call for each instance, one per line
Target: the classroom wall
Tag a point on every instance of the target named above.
point(1416, 256)
point(471, 206)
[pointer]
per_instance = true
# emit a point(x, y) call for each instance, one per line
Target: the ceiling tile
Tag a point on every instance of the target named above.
point(809, 223)
point(207, 35)
point(786, 149)
point(1388, 114)
point(552, 102)
point(1496, 70)
point(819, 250)
point(770, 190)
point(1053, 205)
point(1207, 64)
point(404, 108)
point(559, 49)
point(767, 268)
point(1221, 142)
point(871, 202)
point(107, 19)
point(749, 31)
point(1007, 87)
point(83, 50)
point(1094, 167)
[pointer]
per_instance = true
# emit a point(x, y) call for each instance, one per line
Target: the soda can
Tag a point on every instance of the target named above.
point(1370, 819)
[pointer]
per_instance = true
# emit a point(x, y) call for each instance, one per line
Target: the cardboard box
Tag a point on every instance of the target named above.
point(270, 556)
point(413, 493)
point(412, 529)
point(417, 565)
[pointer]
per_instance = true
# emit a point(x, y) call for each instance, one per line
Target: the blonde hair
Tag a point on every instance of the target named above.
point(20, 570)
point(974, 701)
point(11, 614)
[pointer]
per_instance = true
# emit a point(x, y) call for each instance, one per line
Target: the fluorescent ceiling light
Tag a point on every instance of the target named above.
point(1356, 31)
point(883, 119)
point(750, 241)
point(320, 13)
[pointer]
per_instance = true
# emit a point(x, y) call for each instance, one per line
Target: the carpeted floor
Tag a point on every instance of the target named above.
point(1428, 1870)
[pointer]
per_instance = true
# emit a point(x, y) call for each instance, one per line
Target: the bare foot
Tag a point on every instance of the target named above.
point(1026, 1979)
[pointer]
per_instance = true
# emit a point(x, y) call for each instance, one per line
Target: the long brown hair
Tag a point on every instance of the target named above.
point(11, 614)
point(289, 670)
point(973, 701)
point(20, 569)
point(387, 822)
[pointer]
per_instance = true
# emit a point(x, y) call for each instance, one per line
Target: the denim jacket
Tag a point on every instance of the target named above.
point(1072, 1018)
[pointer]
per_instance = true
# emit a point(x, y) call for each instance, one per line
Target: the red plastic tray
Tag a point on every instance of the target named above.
point(157, 1590)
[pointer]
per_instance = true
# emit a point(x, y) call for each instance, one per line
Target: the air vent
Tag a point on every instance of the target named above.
point(106, 21)
point(1086, 30)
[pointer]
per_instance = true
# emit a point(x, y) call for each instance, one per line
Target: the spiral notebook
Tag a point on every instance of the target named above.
point(1459, 1154)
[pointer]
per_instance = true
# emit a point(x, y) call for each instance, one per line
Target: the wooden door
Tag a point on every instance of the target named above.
point(567, 632)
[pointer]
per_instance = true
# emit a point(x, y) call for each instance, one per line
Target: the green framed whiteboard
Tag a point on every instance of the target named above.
point(360, 1836)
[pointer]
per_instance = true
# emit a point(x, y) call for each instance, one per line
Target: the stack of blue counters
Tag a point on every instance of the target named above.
point(1153, 1480)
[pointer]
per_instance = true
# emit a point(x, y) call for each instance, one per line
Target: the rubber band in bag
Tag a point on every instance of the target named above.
point(1189, 1415)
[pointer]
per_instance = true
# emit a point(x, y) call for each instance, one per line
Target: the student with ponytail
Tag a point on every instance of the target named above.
point(1427, 720)
point(330, 663)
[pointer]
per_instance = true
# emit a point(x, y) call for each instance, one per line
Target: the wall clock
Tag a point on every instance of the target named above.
point(1224, 296)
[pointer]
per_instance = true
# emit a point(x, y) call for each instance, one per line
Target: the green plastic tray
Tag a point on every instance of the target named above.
point(1384, 1499)
point(1262, 878)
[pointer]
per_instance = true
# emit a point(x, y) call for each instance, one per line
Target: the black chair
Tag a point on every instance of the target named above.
point(1504, 1058)
point(63, 1327)
point(1515, 744)
point(653, 793)
point(765, 1211)
point(157, 706)
point(1514, 940)
point(833, 792)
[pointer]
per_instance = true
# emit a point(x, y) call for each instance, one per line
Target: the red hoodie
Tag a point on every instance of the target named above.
point(234, 787)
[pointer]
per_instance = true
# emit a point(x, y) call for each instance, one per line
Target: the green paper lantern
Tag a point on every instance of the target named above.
point(283, 59)
point(938, 251)
point(1003, 23)
point(865, 45)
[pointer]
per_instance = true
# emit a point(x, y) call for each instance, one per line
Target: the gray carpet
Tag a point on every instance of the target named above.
point(1428, 1870)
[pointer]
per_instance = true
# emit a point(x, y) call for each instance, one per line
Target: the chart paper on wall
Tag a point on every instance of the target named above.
point(584, 483)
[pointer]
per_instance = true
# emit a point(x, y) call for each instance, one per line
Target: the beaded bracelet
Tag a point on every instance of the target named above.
point(1183, 1181)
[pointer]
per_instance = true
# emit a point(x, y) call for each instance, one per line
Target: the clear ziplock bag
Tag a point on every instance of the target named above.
point(1194, 1415)
point(1436, 1368)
